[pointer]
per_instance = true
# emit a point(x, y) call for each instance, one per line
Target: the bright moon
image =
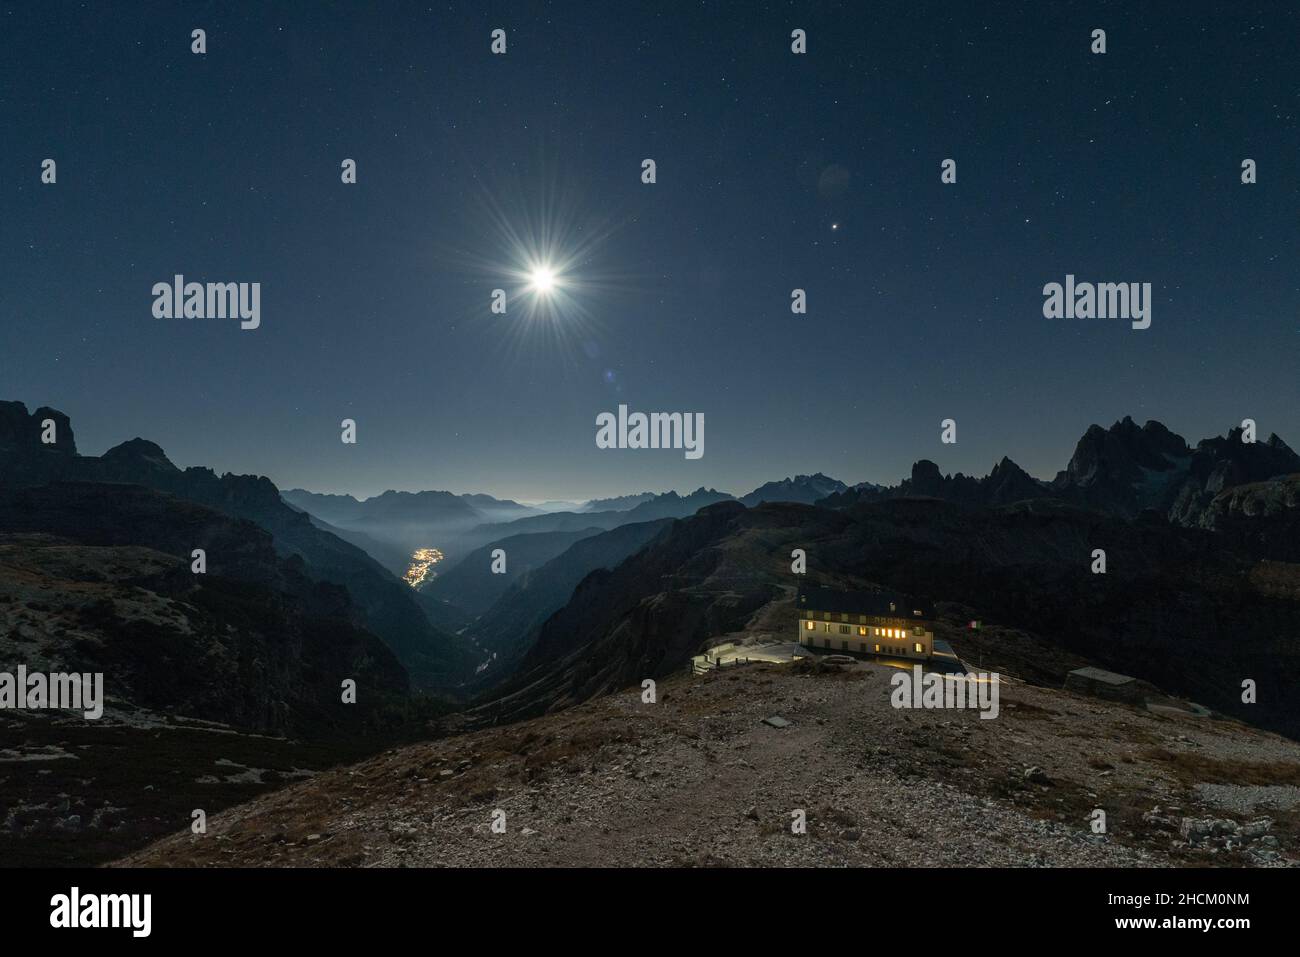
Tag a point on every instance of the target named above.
point(543, 279)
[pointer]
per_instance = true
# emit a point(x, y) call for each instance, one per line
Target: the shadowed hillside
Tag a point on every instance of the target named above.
point(434, 659)
point(1175, 607)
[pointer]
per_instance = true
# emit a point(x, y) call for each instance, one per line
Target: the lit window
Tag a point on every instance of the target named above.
point(809, 625)
point(862, 631)
point(920, 648)
point(877, 649)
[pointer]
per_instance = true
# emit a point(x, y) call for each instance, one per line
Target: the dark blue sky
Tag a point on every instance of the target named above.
point(925, 303)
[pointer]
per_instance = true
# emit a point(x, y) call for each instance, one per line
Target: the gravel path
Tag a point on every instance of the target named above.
point(698, 779)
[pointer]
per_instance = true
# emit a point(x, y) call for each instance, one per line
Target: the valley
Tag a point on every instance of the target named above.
point(513, 685)
point(421, 567)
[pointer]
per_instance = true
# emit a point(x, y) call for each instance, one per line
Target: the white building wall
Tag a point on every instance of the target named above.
point(894, 641)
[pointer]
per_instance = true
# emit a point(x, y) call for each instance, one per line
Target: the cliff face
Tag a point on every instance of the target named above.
point(1124, 471)
point(1121, 455)
point(1261, 518)
point(1222, 464)
point(20, 431)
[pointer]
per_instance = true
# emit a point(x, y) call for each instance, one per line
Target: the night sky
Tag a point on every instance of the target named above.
point(925, 303)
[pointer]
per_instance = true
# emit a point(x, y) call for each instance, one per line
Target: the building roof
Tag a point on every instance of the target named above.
point(878, 603)
point(1100, 674)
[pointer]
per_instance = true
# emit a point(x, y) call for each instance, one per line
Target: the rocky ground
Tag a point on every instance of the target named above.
point(77, 793)
point(698, 778)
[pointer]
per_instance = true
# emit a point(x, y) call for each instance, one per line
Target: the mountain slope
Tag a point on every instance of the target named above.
point(508, 629)
point(697, 779)
point(97, 578)
point(434, 659)
point(667, 505)
point(474, 587)
point(1122, 471)
point(1176, 607)
point(430, 508)
point(334, 509)
point(672, 505)
point(620, 503)
point(644, 618)
point(498, 509)
point(802, 488)
point(1260, 518)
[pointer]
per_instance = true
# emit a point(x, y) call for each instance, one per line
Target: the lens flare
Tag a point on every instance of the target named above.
point(543, 279)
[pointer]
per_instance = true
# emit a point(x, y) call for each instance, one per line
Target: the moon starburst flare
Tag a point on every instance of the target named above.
point(543, 279)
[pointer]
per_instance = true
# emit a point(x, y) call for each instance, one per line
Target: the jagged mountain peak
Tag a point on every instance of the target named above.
point(401, 495)
point(801, 488)
point(140, 451)
point(1121, 453)
point(618, 503)
point(22, 432)
point(1006, 468)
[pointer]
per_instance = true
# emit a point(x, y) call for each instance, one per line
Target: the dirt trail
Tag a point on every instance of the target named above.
point(698, 779)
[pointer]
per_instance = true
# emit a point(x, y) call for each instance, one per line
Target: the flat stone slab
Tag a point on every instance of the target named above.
point(1101, 675)
point(1245, 798)
point(777, 721)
